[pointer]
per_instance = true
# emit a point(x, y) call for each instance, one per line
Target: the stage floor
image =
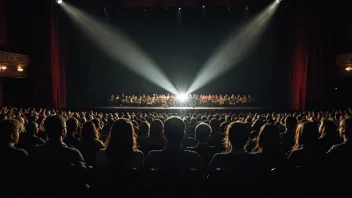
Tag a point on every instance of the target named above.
point(177, 109)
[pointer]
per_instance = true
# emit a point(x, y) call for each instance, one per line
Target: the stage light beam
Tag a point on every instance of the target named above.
point(234, 49)
point(59, 1)
point(119, 47)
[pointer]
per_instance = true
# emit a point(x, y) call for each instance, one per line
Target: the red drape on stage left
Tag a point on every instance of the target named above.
point(3, 29)
point(57, 63)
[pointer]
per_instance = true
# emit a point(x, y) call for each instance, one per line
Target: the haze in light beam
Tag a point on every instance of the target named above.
point(119, 47)
point(234, 49)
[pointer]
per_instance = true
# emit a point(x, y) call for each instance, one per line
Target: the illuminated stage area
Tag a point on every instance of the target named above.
point(179, 109)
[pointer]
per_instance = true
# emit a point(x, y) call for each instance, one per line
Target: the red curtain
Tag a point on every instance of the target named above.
point(298, 71)
point(57, 62)
point(311, 73)
point(3, 29)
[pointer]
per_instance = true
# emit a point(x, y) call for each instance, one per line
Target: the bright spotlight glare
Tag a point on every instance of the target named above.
point(278, 1)
point(59, 1)
point(182, 97)
point(179, 8)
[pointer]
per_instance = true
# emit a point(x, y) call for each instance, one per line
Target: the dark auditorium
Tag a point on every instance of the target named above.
point(175, 98)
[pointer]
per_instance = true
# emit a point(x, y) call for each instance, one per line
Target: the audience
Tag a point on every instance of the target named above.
point(51, 153)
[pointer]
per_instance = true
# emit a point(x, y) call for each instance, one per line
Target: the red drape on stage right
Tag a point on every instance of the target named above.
point(311, 72)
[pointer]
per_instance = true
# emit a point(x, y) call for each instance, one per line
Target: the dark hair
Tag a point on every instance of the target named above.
point(215, 125)
point(121, 142)
point(144, 129)
point(54, 125)
point(290, 123)
point(268, 139)
point(203, 132)
point(328, 128)
point(89, 131)
point(257, 125)
point(31, 127)
point(307, 135)
point(156, 129)
point(237, 136)
point(72, 125)
point(174, 129)
point(7, 127)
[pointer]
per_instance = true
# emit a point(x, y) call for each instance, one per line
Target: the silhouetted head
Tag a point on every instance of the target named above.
point(174, 130)
point(237, 136)
point(121, 140)
point(307, 135)
point(203, 132)
point(9, 131)
point(55, 127)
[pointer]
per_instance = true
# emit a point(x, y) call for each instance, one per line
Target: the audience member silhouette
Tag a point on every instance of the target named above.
point(307, 150)
point(29, 139)
point(54, 162)
point(90, 143)
point(205, 151)
point(328, 135)
point(72, 128)
point(173, 157)
point(13, 160)
point(121, 148)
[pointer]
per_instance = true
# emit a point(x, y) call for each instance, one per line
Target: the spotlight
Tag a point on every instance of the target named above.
point(59, 1)
point(182, 97)
point(247, 8)
point(179, 8)
point(348, 69)
point(278, 1)
point(203, 6)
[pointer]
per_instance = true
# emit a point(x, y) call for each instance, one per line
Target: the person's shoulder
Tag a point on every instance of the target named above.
point(21, 152)
point(154, 153)
point(337, 147)
point(191, 153)
point(71, 150)
point(193, 148)
point(138, 153)
point(220, 155)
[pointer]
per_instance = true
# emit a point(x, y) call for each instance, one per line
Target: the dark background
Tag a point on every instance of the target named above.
point(180, 49)
point(322, 28)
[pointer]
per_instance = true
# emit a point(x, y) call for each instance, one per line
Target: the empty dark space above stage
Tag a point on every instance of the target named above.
point(180, 47)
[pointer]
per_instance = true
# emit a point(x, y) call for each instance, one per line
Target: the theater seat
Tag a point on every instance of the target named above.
point(112, 181)
point(172, 183)
point(224, 181)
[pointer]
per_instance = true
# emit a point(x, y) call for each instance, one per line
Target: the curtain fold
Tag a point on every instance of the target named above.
point(57, 62)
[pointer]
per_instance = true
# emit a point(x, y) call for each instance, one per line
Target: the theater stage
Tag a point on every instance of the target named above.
point(178, 109)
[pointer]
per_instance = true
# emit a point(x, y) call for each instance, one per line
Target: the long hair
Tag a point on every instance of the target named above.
point(328, 128)
point(156, 129)
point(121, 142)
point(89, 131)
point(268, 139)
point(307, 135)
point(237, 136)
